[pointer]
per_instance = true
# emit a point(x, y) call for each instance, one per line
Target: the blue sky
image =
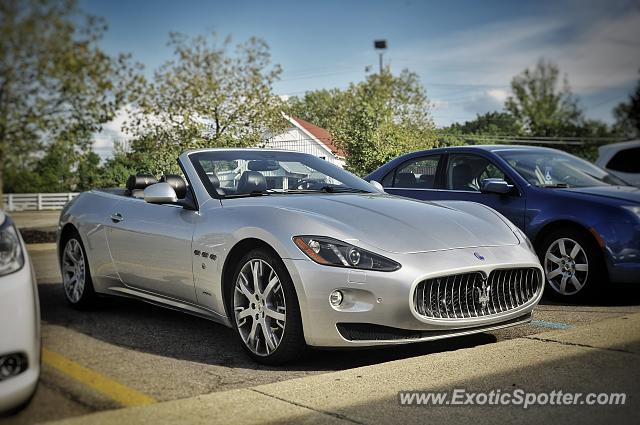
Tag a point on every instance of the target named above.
point(466, 52)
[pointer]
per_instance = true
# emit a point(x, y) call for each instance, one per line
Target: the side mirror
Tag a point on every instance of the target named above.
point(377, 185)
point(498, 186)
point(160, 193)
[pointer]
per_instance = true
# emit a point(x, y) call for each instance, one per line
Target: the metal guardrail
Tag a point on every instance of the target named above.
point(36, 201)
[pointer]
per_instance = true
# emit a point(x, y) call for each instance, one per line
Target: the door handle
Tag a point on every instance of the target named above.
point(117, 217)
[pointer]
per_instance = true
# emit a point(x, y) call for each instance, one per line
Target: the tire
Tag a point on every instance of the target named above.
point(573, 264)
point(76, 276)
point(257, 315)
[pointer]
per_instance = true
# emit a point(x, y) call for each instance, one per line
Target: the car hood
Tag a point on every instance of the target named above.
point(401, 225)
point(622, 193)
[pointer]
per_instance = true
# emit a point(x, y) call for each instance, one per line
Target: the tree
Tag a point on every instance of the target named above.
point(491, 123)
point(545, 107)
point(324, 108)
point(374, 120)
point(117, 169)
point(55, 83)
point(627, 115)
point(387, 116)
point(206, 97)
point(541, 105)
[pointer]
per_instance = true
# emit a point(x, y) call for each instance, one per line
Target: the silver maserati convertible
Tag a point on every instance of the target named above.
point(291, 251)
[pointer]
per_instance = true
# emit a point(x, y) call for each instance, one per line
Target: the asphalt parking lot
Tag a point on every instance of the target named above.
point(164, 355)
point(128, 353)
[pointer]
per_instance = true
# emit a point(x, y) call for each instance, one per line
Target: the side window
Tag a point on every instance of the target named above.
point(626, 161)
point(466, 172)
point(418, 173)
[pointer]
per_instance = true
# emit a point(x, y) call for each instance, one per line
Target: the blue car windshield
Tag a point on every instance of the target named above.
point(557, 169)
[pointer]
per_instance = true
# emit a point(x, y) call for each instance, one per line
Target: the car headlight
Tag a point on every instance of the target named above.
point(332, 252)
point(635, 210)
point(11, 258)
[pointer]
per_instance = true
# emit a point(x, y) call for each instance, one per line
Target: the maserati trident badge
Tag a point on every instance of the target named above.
point(483, 294)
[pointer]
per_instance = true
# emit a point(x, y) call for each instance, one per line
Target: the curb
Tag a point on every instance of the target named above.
point(600, 357)
point(35, 247)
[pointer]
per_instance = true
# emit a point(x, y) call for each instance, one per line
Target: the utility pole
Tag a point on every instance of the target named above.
point(380, 46)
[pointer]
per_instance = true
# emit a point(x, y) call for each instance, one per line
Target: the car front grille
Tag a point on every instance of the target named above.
point(474, 294)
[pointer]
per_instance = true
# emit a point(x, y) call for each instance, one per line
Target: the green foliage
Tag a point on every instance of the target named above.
point(545, 108)
point(491, 123)
point(56, 85)
point(386, 116)
point(62, 168)
point(541, 105)
point(116, 170)
point(323, 108)
point(627, 115)
point(208, 96)
point(374, 120)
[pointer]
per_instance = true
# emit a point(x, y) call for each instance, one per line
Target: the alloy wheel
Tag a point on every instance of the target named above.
point(73, 270)
point(259, 307)
point(566, 266)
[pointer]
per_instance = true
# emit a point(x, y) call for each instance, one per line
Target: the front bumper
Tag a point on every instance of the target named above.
point(385, 299)
point(20, 333)
point(622, 250)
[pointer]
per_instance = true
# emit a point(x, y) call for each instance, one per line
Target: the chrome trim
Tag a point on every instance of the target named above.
point(499, 289)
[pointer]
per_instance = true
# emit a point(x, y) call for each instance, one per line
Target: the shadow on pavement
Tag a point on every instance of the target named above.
point(144, 327)
point(612, 295)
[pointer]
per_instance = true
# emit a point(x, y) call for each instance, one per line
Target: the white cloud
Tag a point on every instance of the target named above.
point(604, 54)
point(471, 69)
point(498, 94)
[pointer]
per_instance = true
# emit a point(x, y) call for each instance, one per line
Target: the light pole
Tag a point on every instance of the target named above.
point(380, 46)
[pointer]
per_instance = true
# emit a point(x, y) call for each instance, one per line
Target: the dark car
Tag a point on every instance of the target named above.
point(583, 222)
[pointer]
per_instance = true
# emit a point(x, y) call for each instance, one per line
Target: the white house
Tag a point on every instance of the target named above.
point(305, 137)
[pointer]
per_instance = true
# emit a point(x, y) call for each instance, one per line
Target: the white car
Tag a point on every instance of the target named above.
point(621, 159)
point(294, 251)
point(19, 320)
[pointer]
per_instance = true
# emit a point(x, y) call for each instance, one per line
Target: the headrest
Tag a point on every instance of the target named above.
point(214, 180)
point(405, 179)
point(252, 181)
point(463, 172)
point(177, 183)
point(140, 181)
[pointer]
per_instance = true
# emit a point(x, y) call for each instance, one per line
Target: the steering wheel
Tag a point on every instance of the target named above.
point(308, 184)
point(570, 180)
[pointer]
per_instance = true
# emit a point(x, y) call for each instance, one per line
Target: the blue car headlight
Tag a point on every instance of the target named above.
point(332, 252)
point(11, 258)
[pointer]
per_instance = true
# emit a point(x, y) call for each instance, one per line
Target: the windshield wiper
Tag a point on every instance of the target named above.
point(246, 195)
point(326, 189)
point(555, 185)
point(334, 189)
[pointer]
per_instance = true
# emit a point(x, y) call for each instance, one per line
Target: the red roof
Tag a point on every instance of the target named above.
point(320, 134)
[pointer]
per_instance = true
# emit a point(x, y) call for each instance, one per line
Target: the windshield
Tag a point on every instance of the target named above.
point(237, 173)
point(557, 169)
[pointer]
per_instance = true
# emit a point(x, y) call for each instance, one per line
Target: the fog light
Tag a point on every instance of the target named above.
point(335, 298)
point(12, 365)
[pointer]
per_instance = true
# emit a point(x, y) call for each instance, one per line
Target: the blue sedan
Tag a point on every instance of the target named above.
point(583, 222)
